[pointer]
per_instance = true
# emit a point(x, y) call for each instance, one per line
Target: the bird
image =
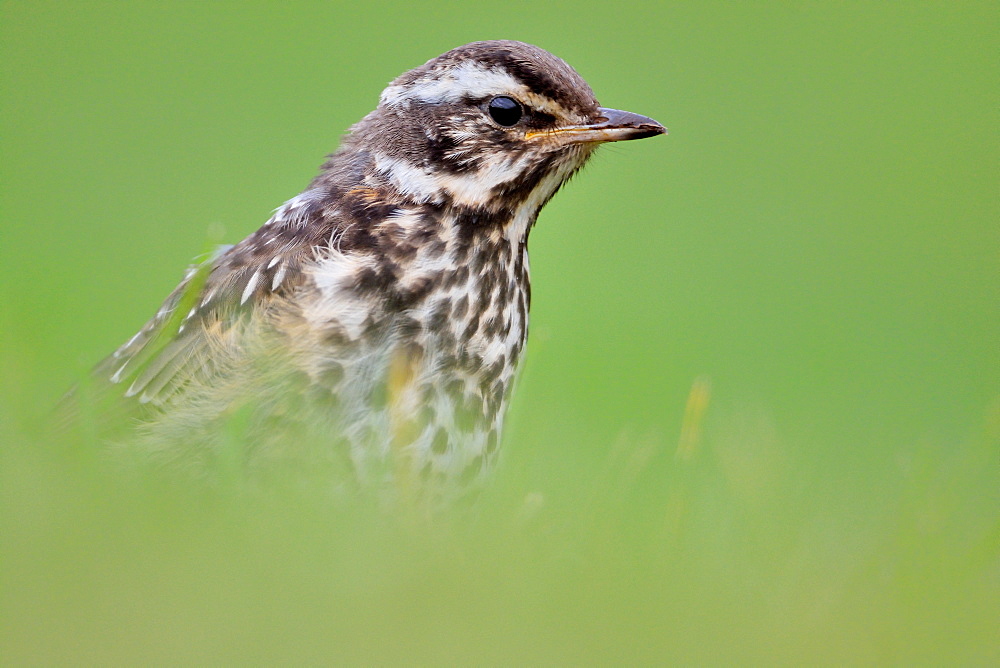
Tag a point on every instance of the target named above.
point(378, 319)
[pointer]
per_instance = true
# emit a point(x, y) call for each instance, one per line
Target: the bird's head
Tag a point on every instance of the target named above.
point(496, 126)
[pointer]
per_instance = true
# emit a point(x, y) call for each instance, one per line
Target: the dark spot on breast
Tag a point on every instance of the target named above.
point(447, 339)
point(375, 279)
point(436, 247)
point(448, 361)
point(479, 264)
point(486, 284)
point(474, 221)
point(461, 306)
point(492, 403)
point(402, 252)
point(471, 363)
point(425, 233)
point(491, 374)
point(438, 319)
point(415, 293)
point(473, 326)
point(391, 232)
point(491, 328)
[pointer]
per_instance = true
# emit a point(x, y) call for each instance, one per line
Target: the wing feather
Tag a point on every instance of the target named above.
point(201, 326)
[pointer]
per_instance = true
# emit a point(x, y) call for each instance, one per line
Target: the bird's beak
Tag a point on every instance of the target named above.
point(611, 125)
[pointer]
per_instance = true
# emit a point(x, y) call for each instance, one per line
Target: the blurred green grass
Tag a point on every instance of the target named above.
point(817, 236)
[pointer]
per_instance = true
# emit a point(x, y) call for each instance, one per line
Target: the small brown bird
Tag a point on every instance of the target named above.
point(378, 317)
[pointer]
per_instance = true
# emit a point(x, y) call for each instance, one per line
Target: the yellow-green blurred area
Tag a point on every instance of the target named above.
point(760, 413)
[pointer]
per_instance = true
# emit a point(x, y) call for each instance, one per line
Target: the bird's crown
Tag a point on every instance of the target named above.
point(478, 71)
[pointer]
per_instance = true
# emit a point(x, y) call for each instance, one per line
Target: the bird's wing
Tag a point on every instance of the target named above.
point(201, 325)
point(204, 328)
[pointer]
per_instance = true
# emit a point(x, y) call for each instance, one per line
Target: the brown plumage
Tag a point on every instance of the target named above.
point(379, 316)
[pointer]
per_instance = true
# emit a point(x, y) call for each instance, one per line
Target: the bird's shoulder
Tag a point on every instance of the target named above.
point(204, 323)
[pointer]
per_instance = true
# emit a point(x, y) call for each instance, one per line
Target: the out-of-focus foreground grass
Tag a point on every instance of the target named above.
point(719, 547)
point(817, 235)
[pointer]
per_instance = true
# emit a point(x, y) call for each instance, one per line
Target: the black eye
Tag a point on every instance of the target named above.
point(505, 110)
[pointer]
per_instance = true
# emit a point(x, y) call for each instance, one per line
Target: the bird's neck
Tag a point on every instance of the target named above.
point(506, 191)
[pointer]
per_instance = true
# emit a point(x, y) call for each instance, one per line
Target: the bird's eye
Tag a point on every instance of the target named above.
point(505, 110)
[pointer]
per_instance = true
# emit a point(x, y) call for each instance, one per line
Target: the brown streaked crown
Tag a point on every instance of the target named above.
point(539, 70)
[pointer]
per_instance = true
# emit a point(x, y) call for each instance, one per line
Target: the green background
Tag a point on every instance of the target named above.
point(816, 241)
